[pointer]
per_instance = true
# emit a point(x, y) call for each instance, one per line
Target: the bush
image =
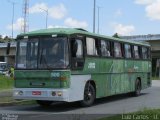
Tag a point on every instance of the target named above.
point(6, 82)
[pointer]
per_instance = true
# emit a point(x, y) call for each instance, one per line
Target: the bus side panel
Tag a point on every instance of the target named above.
point(77, 87)
point(117, 76)
point(129, 75)
point(102, 84)
point(103, 77)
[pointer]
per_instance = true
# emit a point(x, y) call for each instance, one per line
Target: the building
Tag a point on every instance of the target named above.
point(154, 41)
point(10, 58)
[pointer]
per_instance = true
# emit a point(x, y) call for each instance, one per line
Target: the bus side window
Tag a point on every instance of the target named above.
point(77, 53)
point(105, 48)
point(136, 52)
point(144, 53)
point(117, 50)
point(149, 53)
point(92, 46)
point(77, 48)
point(128, 52)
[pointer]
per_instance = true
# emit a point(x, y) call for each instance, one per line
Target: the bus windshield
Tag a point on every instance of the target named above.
point(44, 53)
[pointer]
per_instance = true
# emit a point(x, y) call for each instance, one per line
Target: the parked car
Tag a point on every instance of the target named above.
point(3, 68)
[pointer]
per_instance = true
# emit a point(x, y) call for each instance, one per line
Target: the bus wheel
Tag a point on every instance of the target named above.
point(137, 88)
point(89, 95)
point(44, 103)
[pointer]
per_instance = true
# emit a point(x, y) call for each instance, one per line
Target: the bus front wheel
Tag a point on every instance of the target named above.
point(89, 95)
point(44, 103)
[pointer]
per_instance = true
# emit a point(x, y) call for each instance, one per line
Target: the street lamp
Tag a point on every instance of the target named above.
point(98, 18)
point(45, 10)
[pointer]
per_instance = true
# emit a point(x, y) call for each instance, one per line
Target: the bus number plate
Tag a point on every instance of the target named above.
point(36, 92)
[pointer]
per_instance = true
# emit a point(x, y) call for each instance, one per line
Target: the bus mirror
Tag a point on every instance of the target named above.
point(8, 48)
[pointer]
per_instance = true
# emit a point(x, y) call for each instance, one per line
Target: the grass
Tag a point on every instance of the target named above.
point(155, 78)
point(153, 114)
point(7, 101)
point(6, 82)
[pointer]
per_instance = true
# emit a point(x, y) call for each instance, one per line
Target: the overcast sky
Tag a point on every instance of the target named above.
point(126, 17)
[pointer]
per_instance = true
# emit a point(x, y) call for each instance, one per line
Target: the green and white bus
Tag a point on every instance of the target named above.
point(67, 64)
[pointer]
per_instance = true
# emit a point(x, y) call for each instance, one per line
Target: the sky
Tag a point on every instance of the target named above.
point(125, 17)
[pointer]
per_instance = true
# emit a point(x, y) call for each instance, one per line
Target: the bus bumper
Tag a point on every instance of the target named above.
point(41, 94)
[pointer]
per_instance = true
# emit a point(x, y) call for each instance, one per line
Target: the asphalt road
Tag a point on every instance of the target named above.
point(150, 98)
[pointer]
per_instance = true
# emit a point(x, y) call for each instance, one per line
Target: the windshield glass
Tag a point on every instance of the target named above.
point(46, 53)
point(53, 53)
point(27, 54)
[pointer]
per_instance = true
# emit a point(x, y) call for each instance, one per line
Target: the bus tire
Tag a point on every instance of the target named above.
point(137, 91)
point(44, 103)
point(89, 95)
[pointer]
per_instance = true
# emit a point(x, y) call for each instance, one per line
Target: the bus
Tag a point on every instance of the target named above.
point(72, 64)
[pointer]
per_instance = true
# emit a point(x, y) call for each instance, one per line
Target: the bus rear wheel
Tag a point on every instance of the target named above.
point(137, 91)
point(44, 103)
point(89, 95)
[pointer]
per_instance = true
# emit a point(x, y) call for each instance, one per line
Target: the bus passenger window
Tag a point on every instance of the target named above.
point(105, 48)
point(149, 53)
point(144, 53)
point(117, 50)
point(91, 46)
point(77, 48)
point(136, 52)
point(127, 48)
point(77, 54)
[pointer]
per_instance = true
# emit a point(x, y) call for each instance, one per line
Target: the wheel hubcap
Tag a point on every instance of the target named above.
point(88, 94)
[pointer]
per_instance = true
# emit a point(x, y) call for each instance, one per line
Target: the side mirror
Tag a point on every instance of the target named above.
point(8, 48)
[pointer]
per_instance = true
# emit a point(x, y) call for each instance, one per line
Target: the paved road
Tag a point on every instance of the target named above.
point(150, 98)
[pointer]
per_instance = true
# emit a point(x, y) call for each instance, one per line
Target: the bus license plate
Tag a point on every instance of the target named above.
point(36, 92)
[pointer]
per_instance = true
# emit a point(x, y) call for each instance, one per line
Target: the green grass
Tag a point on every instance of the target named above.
point(153, 114)
point(6, 82)
point(155, 78)
point(26, 102)
point(7, 101)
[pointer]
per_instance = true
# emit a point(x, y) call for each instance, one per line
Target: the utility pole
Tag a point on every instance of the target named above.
point(13, 5)
point(25, 26)
point(45, 10)
point(94, 16)
point(98, 18)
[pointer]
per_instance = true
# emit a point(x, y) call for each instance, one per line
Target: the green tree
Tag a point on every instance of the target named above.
point(116, 35)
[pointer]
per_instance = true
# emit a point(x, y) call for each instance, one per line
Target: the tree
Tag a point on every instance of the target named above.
point(6, 38)
point(116, 35)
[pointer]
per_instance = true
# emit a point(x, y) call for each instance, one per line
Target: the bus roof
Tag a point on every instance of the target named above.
point(69, 31)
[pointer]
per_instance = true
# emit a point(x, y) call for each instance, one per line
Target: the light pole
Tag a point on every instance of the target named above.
point(45, 10)
point(94, 16)
point(13, 4)
point(98, 18)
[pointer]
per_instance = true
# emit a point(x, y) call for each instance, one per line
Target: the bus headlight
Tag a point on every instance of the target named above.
point(59, 93)
point(18, 93)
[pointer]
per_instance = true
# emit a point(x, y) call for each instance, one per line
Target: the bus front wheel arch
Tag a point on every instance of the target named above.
point(89, 94)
